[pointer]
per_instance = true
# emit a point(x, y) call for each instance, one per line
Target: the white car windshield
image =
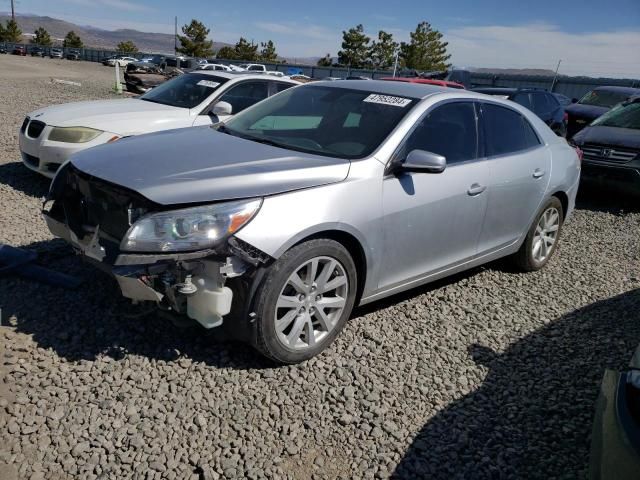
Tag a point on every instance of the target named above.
point(336, 122)
point(185, 91)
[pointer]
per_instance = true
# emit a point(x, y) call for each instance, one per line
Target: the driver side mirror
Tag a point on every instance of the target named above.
point(423, 161)
point(221, 108)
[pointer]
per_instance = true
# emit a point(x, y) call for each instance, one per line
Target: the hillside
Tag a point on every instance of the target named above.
point(95, 37)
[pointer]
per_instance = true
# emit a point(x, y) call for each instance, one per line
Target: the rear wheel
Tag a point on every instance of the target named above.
point(542, 238)
point(305, 300)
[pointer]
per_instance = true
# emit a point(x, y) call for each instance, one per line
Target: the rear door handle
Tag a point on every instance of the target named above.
point(537, 173)
point(476, 189)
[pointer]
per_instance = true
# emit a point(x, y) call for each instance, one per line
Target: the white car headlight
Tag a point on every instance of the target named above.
point(190, 228)
point(73, 134)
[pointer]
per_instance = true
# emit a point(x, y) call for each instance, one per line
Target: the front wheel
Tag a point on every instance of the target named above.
point(542, 238)
point(305, 300)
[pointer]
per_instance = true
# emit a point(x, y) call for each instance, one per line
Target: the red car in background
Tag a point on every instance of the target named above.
point(19, 50)
point(428, 81)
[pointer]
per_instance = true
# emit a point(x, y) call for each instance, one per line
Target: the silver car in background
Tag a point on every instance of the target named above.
point(320, 198)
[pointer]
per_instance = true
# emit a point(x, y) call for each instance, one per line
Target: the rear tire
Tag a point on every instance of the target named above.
point(305, 300)
point(542, 238)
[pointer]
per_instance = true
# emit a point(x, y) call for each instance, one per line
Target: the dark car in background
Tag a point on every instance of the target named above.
point(73, 54)
point(19, 50)
point(544, 104)
point(564, 100)
point(37, 52)
point(611, 148)
point(595, 103)
point(3, 49)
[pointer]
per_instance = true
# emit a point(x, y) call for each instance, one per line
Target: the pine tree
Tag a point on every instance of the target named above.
point(245, 50)
point(325, 61)
point(426, 51)
point(3, 33)
point(382, 52)
point(127, 47)
point(268, 52)
point(72, 40)
point(12, 32)
point(226, 53)
point(354, 47)
point(194, 42)
point(41, 37)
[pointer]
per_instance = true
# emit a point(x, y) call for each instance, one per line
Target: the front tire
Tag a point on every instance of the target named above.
point(542, 239)
point(305, 300)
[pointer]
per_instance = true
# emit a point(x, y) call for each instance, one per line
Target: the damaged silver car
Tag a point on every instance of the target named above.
point(325, 196)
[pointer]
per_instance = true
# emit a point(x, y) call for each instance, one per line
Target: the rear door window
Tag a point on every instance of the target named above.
point(523, 99)
point(506, 131)
point(541, 104)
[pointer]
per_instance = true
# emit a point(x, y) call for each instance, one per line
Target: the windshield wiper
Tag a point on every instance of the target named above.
point(265, 141)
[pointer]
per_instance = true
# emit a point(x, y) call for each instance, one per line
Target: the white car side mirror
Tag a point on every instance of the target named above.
point(222, 108)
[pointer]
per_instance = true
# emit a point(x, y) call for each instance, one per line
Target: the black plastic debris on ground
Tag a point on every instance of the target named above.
point(19, 262)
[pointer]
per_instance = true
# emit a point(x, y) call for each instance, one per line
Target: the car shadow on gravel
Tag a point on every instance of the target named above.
point(95, 320)
point(532, 416)
point(20, 178)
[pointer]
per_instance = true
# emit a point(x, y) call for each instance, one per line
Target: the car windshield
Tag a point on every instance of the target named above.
point(186, 91)
point(623, 116)
point(603, 98)
point(336, 122)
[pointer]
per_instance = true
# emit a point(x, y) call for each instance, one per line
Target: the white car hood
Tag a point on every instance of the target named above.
point(129, 116)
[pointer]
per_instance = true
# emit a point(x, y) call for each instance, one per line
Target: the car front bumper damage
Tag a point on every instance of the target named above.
point(190, 284)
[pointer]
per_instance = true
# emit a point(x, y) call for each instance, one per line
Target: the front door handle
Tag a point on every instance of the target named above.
point(538, 172)
point(476, 189)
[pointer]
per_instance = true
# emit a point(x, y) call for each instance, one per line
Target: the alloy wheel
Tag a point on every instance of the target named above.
point(311, 302)
point(546, 234)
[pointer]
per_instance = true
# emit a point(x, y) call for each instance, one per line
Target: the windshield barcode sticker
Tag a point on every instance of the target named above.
point(208, 83)
point(387, 100)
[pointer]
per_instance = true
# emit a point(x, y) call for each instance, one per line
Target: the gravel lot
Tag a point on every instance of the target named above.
point(492, 374)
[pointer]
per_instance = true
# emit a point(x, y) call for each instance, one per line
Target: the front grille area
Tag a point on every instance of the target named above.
point(603, 153)
point(23, 128)
point(31, 160)
point(35, 128)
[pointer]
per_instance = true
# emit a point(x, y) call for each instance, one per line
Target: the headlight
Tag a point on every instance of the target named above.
point(188, 229)
point(73, 134)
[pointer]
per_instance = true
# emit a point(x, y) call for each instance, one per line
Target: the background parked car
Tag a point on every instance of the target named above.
point(3, 49)
point(544, 104)
point(56, 53)
point(595, 103)
point(611, 148)
point(424, 81)
point(50, 135)
point(214, 67)
point(73, 54)
point(37, 52)
point(19, 50)
point(564, 100)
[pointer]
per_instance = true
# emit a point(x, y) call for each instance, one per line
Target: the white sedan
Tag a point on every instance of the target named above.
point(122, 61)
point(214, 66)
point(50, 135)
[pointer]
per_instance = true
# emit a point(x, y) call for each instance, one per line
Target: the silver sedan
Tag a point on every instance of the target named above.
point(325, 196)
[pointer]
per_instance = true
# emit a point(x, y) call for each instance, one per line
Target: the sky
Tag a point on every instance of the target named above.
point(590, 37)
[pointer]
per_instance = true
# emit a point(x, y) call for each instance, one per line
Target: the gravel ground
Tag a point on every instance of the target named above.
point(492, 374)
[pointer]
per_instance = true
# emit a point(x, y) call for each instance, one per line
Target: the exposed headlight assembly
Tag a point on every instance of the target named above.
point(190, 228)
point(73, 134)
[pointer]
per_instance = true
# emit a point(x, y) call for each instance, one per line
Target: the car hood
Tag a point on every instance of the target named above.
point(610, 136)
point(128, 116)
point(199, 164)
point(588, 112)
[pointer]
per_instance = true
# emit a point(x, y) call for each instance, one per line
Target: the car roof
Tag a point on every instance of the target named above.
point(507, 90)
point(613, 88)
point(242, 75)
point(405, 89)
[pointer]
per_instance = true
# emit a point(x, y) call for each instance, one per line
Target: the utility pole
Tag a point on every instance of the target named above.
point(13, 11)
point(175, 36)
point(555, 77)
point(395, 64)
